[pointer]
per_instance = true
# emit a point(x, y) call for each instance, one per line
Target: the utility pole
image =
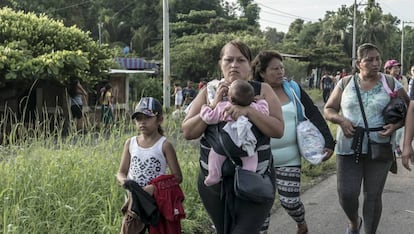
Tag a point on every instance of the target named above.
point(402, 45)
point(100, 24)
point(166, 56)
point(354, 39)
point(354, 35)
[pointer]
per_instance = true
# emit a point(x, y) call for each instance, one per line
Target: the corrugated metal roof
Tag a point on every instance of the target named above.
point(137, 63)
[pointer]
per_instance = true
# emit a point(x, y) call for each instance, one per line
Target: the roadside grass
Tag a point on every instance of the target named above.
point(56, 184)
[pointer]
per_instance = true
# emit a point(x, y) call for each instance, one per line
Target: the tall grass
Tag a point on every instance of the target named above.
point(66, 184)
point(55, 184)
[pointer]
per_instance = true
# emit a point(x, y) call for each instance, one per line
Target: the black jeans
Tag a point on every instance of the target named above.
point(249, 216)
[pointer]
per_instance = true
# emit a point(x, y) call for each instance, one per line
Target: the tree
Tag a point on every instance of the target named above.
point(36, 47)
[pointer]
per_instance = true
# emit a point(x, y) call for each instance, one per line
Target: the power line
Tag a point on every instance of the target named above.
point(272, 22)
point(71, 6)
point(285, 13)
point(272, 13)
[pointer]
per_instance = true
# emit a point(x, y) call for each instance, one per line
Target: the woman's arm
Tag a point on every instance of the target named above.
point(193, 126)
point(315, 116)
point(82, 92)
point(332, 108)
point(124, 164)
point(408, 153)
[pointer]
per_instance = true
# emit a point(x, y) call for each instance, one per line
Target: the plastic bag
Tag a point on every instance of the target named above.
point(310, 141)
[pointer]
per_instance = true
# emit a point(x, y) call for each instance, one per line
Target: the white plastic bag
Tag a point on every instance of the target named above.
point(310, 141)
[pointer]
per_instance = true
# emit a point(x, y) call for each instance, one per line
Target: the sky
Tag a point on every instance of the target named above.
point(280, 14)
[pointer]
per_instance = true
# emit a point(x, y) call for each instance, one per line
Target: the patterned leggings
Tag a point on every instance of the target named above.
point(288, 188)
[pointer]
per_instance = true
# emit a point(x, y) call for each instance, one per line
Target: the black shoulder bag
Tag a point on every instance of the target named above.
point(376, 150)
point(249, 185)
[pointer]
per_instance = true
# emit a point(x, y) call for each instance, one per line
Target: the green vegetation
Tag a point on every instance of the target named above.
point(37, 47)
point(55, 184)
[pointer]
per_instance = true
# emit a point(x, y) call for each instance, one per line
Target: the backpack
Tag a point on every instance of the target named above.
point(390, 81)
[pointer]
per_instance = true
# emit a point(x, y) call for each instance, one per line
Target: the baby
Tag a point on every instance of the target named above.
point(240, 93)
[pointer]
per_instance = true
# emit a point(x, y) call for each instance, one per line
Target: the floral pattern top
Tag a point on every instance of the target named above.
point(374, 101)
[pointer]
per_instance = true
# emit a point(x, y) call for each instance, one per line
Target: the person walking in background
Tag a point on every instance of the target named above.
point(178, 96)
point(240, 93)
point(201, 84)
point(146, 157)
point(107, 106)
point(229, 213)
point(78, 96)
point(327, 84)
point(268, 67)
point(343, 73)
point(189, 93)
point(393, 68)
point(311, 80)
point(354, 165)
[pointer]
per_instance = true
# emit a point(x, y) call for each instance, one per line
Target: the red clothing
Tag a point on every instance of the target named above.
point(169, 198)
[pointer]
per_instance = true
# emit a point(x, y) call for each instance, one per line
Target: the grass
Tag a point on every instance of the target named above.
point(55, 184)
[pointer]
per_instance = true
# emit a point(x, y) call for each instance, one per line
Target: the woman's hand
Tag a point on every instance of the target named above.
point(328, 154)
point(348, 128)
point(221, 92)
point(235, 111)
point(407, 156)
point(389, 129)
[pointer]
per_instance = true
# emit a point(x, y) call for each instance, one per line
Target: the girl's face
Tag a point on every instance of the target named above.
point(234, 65)
point(274, 73)
point(412, 71)
point(147, 125)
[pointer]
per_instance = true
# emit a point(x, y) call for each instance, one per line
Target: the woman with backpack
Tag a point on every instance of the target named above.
point(357, 101)
point(268, 67)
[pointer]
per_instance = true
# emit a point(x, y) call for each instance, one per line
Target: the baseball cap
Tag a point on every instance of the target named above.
point(391, 63)
point(148, 106)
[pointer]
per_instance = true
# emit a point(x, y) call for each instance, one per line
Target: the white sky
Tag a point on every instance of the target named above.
point(280, 14)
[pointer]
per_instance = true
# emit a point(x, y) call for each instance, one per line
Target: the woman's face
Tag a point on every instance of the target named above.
point(274, 73)
point(370, 64)
point(412, 71)
point(234, 65)
point(395, 70)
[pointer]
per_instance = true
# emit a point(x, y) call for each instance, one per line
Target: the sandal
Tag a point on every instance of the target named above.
point(349, 231)
point(302, 229)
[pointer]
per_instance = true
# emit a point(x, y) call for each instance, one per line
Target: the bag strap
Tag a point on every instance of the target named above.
point(361, 106)
point(388, 83)
point(367, 129)
point(295, 95)
point(297, 102)
point(229, 155)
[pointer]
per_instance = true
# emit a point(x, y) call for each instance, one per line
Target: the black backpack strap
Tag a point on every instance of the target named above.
point(257, 86)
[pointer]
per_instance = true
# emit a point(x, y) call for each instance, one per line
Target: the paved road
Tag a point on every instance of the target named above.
point(324, 215)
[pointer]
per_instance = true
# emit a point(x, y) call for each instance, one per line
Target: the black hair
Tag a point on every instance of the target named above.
point(364, 48)
point(73, 87)
point(242, 93)
point(261, 62)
